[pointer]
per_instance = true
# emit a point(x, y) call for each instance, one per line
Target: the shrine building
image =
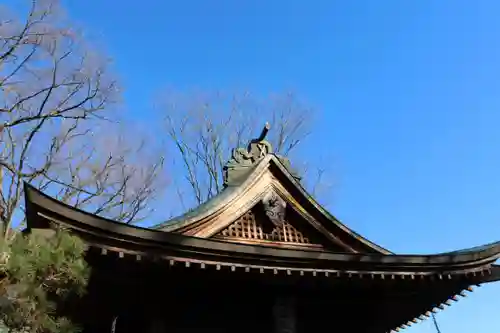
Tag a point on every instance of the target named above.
point(261, 256)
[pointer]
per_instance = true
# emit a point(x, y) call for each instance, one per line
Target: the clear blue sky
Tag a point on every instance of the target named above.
point(407, 94)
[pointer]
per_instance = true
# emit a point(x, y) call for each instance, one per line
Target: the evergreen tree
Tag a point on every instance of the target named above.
point(36, 273)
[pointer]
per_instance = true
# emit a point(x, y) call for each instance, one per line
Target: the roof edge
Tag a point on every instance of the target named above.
point(326, 214)
point(38, 201)
point(216, 203)
point(232, 193)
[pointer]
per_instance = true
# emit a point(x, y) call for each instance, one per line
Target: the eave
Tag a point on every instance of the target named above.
point(43, 210)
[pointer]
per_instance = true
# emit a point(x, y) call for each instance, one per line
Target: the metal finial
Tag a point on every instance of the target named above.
point(263, 134)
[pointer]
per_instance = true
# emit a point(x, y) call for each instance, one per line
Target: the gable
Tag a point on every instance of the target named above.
point(283, 228)
point(264, 180)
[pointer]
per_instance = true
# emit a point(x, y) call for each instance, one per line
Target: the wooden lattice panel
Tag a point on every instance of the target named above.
point(249, 227)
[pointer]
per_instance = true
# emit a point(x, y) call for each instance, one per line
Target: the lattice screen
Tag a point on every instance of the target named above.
point(249, 227)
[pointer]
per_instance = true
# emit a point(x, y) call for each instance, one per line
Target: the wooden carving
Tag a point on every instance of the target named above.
point(267, 227)
point(275, 209)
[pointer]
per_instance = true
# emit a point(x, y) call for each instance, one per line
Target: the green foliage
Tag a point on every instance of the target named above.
point(37, 272)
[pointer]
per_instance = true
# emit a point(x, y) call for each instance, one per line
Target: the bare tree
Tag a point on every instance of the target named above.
point(117, 181)
point(204, 127)
point(55, 94)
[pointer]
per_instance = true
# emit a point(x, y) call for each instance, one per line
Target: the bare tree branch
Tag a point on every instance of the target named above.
point(55, 93)
point(203, 128)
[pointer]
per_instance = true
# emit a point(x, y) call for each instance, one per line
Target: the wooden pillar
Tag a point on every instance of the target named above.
point(157, 325)
point(284, 313)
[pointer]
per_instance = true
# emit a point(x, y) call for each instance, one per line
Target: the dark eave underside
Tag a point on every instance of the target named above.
point(407, 300)
point(102, 231)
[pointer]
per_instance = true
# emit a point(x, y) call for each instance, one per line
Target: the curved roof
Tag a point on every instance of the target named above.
point(268, 173)
point(42, 210)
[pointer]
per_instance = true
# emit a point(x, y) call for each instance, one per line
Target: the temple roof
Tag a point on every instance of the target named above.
point(43, 210)
point(265, 222)
point(255, 177)
point(269, 176)
point(264, 213)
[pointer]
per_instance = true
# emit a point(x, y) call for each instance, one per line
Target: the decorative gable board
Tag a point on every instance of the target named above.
point(256, 227)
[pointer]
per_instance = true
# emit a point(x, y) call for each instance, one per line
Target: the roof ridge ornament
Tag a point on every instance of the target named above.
point(242, 159)
point(260, 147)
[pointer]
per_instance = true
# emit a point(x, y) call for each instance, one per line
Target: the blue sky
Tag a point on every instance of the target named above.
point(406, 93)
